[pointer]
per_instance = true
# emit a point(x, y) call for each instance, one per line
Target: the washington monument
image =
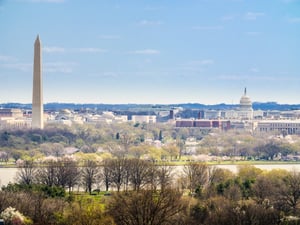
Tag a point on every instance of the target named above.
point(37, 92)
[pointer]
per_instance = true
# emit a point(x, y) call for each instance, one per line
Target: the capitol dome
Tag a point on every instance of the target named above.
point(245, 110)
point(245, 102)
point(65, 112)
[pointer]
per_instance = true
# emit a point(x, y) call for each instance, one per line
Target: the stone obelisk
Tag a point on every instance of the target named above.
point(37, 92)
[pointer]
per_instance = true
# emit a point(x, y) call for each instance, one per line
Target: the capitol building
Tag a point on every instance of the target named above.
point(244, 111)
point(243, 117)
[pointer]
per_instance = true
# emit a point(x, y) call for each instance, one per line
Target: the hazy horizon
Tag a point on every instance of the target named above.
point(130, 103)
point(152, 52)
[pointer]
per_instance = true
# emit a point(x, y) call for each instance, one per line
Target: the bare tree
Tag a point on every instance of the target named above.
point(46, 148)
point(90, 173)
point(146, 207)
point(126, 140)
point(106, 174)
point(67, 173)
point(289, 192)
point(165, 176)
point(36, 206)
point(196, 176)
point(263, 189)
point(4, 156)
point(117, 169)
point(47, 174)
point(139, 171)
point(57, 149)
point(153, 180)
point(26, 172)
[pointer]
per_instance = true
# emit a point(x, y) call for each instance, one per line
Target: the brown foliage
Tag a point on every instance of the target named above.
point(146, 207)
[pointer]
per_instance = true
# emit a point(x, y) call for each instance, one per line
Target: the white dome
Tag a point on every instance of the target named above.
point(65, 112)
point(245, 101)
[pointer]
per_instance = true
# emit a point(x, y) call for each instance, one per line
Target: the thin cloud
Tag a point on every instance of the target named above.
point(201, 62)
point(145, 52)
point(207, 27)
point(237, 77)
point(253, 15)
point(149, 23)
point(52, 67)
point(255, 78)
point(197, 65)
point(24, 67)
point(59, 67)
point(80, 50)
point(91, 50)
point(5, 58)
point(53, 49)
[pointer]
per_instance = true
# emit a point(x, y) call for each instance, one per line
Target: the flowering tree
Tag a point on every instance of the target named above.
point(11, 216)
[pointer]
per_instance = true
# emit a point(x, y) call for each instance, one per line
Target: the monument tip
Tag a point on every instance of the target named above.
point(37, 38)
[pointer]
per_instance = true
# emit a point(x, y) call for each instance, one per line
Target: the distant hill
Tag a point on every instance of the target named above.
point(151, 107)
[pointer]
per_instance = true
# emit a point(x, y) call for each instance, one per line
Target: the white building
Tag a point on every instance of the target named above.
point(13, 118)
point(143, 119)
point(279, 126)
point(65, 117)
point(212, 114)
point(10, 122)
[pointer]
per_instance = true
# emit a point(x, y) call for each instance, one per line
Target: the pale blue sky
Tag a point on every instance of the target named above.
point(158, 51)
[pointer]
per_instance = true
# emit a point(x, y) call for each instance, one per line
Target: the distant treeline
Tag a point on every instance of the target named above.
point(153, 107)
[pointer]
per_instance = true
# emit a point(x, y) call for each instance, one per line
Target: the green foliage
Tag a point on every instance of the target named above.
point(90, 212)
point(36, 138)
point(53, 192)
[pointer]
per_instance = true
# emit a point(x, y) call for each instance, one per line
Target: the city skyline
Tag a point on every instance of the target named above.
point(152, 52)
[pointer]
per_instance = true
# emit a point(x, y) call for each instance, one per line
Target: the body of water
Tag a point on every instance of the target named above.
point(8, 175)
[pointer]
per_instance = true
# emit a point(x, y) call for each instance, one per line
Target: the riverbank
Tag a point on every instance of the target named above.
point(213, 163)
point(230, 162)
point(8, 174)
